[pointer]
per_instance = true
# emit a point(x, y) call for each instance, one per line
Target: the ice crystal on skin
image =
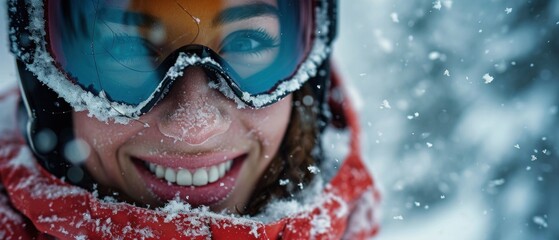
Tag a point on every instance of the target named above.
point(195, 118)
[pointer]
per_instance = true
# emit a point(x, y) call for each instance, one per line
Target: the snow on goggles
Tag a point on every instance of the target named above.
point(122, 56)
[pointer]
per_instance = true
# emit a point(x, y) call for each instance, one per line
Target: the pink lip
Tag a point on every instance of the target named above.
point(189, 162)
point(205, 195)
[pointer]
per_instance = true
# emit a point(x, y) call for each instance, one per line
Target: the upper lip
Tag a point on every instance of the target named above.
point(190, 162)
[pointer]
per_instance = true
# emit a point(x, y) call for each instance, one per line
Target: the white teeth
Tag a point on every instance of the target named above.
point(200, 177)
point(213, 174)
point(160, 171)
point(170, 175)
point(184, 177)
point(221, 169)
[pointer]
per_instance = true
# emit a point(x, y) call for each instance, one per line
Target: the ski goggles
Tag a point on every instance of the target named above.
point(119, 58)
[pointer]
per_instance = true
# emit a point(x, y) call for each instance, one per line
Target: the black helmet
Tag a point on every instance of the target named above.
point(47, 114)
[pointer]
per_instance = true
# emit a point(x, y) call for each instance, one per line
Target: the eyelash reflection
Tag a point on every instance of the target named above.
point(257, 36)
point(126, 48)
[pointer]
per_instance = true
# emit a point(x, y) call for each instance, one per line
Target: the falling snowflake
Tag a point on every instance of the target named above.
point(283, 182)
point(497, 182)
point(434, 55)
point(508, 10)
point(437, 5)
point(447, 73)
point(540, 221)
point(488, 78)
point(394, 17)
point(385, 104)
point(313, 169)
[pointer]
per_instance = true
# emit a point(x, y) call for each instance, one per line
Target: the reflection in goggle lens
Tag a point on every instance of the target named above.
point(123, 48)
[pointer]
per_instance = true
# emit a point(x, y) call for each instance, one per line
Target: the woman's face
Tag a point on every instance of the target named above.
point(195, 144)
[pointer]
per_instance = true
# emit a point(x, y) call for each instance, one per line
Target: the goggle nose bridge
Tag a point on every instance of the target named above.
point(218, 71)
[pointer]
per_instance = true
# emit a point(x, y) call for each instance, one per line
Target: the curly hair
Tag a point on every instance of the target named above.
point(295, 155)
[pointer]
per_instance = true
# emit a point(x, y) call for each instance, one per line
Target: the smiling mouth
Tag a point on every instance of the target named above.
point(201, 181)
point(194, 177)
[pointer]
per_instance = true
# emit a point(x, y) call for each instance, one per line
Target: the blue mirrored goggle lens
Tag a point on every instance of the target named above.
point(123, 48)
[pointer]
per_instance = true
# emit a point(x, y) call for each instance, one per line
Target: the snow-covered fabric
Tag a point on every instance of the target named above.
point(35, 204)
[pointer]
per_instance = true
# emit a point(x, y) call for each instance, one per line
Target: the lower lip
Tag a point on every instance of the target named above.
point(203, 195)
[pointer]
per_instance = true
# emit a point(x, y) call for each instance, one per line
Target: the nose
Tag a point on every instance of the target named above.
point(192, 111)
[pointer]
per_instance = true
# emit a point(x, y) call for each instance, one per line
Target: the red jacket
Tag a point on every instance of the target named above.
point(35, 204)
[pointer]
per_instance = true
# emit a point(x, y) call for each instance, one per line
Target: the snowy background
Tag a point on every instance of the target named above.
point(459, 105)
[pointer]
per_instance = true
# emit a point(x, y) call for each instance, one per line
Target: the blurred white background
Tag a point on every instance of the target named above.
point(459, 102)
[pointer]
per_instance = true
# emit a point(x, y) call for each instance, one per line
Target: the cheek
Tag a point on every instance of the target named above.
point(271, 123)
point(104, 139)
point(98, 134)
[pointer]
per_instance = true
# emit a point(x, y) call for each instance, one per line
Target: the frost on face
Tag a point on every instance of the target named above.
point(197, 118)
